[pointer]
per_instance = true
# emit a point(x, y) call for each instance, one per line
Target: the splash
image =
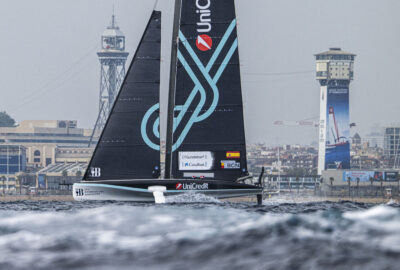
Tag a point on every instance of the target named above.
point(192, 197)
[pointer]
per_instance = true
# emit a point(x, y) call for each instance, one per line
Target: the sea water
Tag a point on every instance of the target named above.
point(199, 232)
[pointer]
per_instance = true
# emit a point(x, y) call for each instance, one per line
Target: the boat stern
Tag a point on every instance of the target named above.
point(104, 192)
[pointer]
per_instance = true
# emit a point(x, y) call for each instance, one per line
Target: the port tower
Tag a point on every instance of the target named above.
point(112, 57)
point(335, 71)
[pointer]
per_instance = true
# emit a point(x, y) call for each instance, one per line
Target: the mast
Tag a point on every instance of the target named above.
point(172, 86)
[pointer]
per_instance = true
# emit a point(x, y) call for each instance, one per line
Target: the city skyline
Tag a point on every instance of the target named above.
point(51, 71)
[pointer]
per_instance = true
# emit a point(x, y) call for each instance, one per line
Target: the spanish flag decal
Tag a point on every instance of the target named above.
point(233, 154)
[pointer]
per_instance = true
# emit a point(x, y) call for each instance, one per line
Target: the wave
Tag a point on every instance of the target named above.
point(216, 235)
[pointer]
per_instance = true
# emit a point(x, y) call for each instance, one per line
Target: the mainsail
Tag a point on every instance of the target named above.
point(122, 151)
point(208, 133)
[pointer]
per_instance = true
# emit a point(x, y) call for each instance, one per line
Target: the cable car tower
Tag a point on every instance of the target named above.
point(112, 57)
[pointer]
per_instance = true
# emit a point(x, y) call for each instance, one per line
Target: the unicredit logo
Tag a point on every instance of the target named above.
point(195, 186)
point(204, 12)
point(191, 186)
point(204, 42)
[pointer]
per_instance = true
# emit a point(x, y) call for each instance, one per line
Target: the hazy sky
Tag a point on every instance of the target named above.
point(49, 67)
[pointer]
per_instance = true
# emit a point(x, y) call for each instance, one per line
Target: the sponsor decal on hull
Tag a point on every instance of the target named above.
point(87, 192)
point(178, 186)
point(191, 186)
point(79, 192)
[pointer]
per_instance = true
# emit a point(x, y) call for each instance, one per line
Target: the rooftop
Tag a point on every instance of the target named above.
point(113, 29)
point(60, 167)
point(335, 51)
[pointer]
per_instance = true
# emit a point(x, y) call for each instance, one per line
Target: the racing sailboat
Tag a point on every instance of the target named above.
point(205, 142)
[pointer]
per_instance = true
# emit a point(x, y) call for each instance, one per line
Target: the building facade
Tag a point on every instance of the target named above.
point(43, 140)
point(391, 145)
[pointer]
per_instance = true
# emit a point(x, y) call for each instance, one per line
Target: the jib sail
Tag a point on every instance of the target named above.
point(208, 135)
point(123, 150)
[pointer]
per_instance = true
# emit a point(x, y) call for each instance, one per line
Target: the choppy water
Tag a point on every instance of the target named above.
point(202, 234)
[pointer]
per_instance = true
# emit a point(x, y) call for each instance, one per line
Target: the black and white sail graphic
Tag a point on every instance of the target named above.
point(123, 151)
point(208, 136)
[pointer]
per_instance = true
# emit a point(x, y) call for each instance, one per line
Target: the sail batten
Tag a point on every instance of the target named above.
point(122, 151)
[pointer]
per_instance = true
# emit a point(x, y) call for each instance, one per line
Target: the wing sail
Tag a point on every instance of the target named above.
point(208, 136)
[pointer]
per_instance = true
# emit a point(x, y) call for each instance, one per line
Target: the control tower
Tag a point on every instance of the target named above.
point(334, 73)
point(112, 57)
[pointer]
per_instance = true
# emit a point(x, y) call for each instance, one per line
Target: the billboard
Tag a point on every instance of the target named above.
point(391, 176)
point(365, 176)
point(41, 181)
point(337, 142)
